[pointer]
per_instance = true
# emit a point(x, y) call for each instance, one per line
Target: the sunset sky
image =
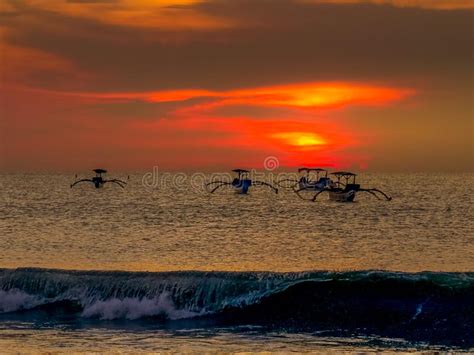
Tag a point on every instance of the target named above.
point(381, 85)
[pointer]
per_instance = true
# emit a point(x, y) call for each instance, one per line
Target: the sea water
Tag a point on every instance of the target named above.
point(165, 265)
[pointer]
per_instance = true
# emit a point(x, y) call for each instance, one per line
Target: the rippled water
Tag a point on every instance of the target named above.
point(427, 226)
point(242, 341)
point(44, 223)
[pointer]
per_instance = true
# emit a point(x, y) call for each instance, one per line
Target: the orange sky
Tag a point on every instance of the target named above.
point(378, 85)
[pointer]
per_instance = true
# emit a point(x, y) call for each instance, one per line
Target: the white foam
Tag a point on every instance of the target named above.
point(14, 300)
point(418, 311)
point(134, 308)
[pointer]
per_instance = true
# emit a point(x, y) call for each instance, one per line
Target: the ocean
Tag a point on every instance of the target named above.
point(163, 265)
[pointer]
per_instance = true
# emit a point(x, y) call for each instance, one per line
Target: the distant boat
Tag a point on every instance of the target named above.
point(241, 183)
point(341, 192)
point(99, 181)
point(346, 191)
point(310, 180)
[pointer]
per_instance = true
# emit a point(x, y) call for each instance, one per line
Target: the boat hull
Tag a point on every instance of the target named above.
point(241, 190)
point(242, 186)
point(311, 186)
point(342, 196)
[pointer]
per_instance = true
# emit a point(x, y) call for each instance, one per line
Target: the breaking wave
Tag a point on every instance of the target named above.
point(133, 295)
point(425, 305)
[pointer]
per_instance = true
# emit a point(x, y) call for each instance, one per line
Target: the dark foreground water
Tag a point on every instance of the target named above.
point(201, 291)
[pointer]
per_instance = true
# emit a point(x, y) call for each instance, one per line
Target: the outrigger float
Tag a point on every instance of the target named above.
point(345, 191)
point(99, 181)
point(241, 183)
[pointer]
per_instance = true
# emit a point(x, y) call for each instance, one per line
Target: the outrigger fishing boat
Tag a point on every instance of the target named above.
point(313, 179)
point(345, 191)
point(241, 183)
point(99, 181)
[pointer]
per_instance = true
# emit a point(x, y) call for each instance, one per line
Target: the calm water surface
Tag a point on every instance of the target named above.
point(427, 226)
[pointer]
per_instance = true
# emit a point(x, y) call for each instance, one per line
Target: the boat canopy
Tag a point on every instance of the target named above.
point(343, 174)
point(346, 175)
point(311, 169)
point(99, 171)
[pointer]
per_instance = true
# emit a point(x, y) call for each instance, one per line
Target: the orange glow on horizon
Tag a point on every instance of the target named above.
point(296, 137)
point(300, 139)
point(292, 141)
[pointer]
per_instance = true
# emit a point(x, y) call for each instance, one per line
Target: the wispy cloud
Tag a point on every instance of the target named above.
point(300, 95)
point(164, 14)
point(425, 4)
